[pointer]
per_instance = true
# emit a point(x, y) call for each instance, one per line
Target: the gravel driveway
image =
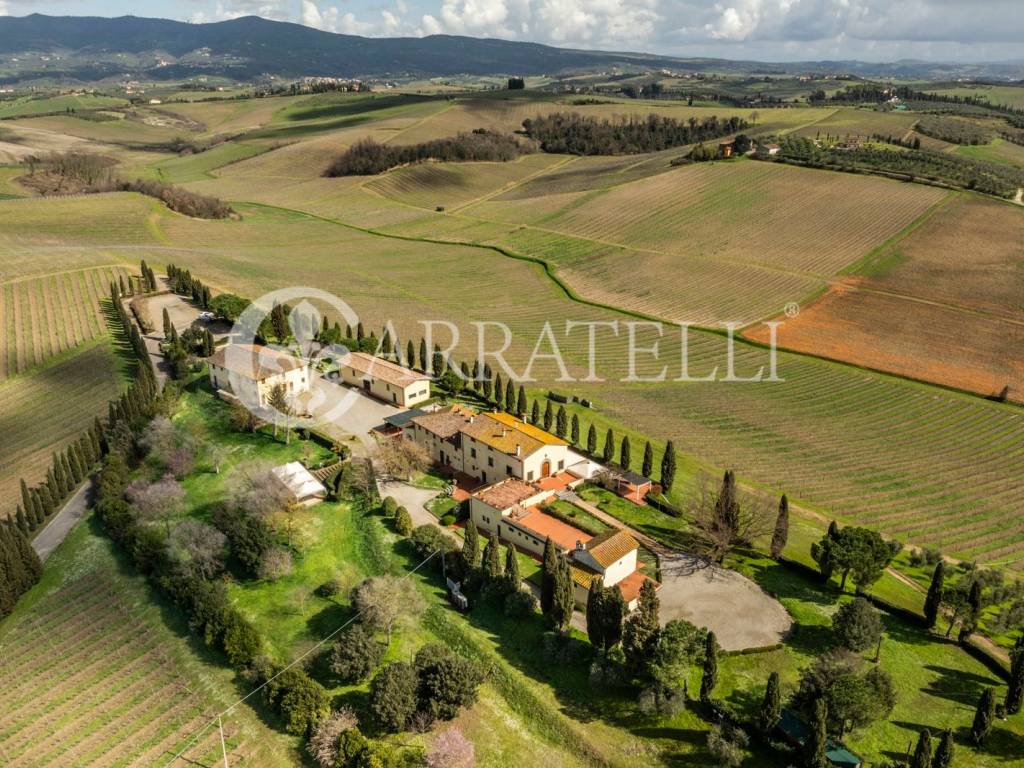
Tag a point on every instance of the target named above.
point(738, 611)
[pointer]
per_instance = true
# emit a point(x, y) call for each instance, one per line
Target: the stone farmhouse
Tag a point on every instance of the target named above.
point(513, 509)
point(489, 446)
point(384, 379)
point(250, 371)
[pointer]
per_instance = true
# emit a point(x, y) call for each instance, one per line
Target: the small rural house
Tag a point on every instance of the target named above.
point(250, 371)
point(768, 150)
point(303, 487)
point(513, 509)
point(489, 446)
point(726, 148)
point(632, 485)
point(384, 379)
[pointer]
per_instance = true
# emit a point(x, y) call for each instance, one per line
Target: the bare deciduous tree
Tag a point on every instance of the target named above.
point(198, 548)
point(451, 750)
point(323, 743)
point(156, 502)
point(384, 601)
point(254, 488)
point(724, 521)
point(401, 458)
point(276, 564)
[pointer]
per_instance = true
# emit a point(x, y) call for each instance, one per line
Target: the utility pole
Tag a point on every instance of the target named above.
point(223, 749)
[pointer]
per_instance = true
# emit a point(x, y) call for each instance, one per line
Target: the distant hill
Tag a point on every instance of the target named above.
point(92, 48)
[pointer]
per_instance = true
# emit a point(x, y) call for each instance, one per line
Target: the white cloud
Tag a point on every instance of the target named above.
point(766, 29)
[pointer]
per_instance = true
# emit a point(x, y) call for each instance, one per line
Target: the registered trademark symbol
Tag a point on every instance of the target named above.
point(792, 309)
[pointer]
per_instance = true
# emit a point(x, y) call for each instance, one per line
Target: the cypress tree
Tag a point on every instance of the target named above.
point(923, 752)
point(512, 575)
point(595, 623)
point(424, 362)
point(648, 463)
point(668, 467)
point(535, 413)
point(470, 548)
point(944, 754)
point(54, 486)
point(625, 455)
point(574, 430)
point(209, 345)
point(1015, 688)
point(410, 355)
point(26, 500)
point(464, 370)
point(564, 598)
point(548, 576)
point(491, 561)
point(613, 611)
point(385, 343)
point(817, 740)
point(21, 520)
point(974, 605)
point(510, 396)
point(29, 559)
point(709, 678)
point(486, 383)
point(609, 446)
point(549, 416)
point(360, 331)
point(933, 602)
point(561, 422)
point(499, 392)
point(69, 474)
point(521, 403)
point(88, 455)
point(167, 325)
point(984, 717)
point(76, 463)
point(61, 480)
point(771, 707)
point(781, 532)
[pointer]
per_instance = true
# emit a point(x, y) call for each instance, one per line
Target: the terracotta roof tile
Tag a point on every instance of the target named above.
point(382, 369)
point(445, 423)
point(506, 493)
point(254, 361)
point(610, 546)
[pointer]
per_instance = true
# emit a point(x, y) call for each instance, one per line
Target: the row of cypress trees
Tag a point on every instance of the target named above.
point(184, 284)
point(19, 567)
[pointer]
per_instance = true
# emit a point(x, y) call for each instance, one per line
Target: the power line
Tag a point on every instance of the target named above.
point(264, 684)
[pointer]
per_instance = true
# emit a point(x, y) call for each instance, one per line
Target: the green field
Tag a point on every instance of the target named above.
point(100, 670)
point(32, 105)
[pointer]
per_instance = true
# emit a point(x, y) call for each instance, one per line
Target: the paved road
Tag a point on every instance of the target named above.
point(74, 510)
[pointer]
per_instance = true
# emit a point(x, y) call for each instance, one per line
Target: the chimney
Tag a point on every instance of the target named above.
point(504, 432)
point(519, 449)
point(471, 417)
point(579, 544)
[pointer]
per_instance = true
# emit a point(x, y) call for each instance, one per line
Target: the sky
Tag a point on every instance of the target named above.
point(766, 30)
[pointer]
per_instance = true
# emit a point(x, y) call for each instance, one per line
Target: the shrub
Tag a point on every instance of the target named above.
point(403, 521)
point(857, 625)
point(448, 519)
point(520, 605)
point(389, 506)
point(275, 564)
point(329, 588)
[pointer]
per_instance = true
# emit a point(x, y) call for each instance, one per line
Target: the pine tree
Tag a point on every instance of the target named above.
point(933, 602)
point(984, 717)
point(512, 576)
point(470, 548)
point(491, 561)
point(548, 576)
point(923, 752)
point(668, 467)
point(564, 597)
point(944, 754)
point(608, 453)
point(574, 430)
point(595, 619)
point(648, 462)
point(499, 392)
point(592, 440)
point(781, 532)
point(771, 707)
point(1015, 688)
point(817, 740)
point(709, 677)
point(521, 402)
point(561, 422)
point(625, 455)
point(549, 416)
point(535, 413)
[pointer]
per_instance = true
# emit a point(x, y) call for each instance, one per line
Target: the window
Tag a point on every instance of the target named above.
point(508, 470)
point(561, 464)
point(529, 475)
point(490, 461)
point(472, 452)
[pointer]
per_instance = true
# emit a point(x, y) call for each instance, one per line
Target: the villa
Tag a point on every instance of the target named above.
point(250, 371)
point(513, 509)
